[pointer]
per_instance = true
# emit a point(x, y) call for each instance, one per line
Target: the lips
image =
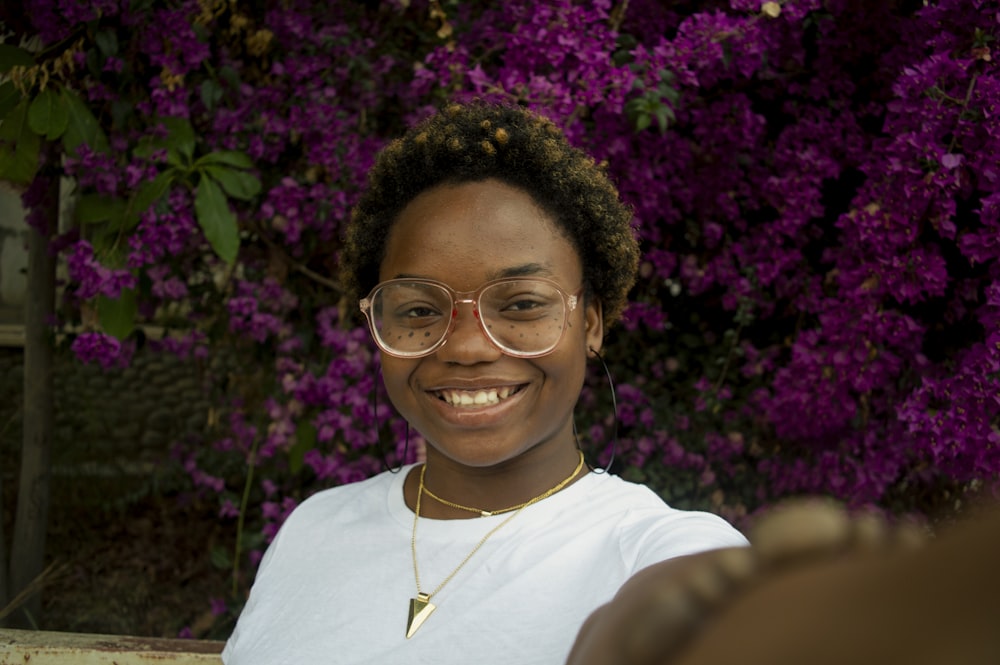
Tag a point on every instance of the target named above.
point(479, 397)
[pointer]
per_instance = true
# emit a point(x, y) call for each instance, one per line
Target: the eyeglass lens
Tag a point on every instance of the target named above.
point(520, 316)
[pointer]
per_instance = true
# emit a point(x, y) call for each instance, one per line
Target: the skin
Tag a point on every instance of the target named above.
point(868, 605)
point(492, 456)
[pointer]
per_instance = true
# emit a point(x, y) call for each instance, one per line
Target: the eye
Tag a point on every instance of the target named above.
point(415, 309)
point(414, 304)
point(418, 311)
point(521, 300)
point(522, 304)
point(526, 307)
point(414, 313)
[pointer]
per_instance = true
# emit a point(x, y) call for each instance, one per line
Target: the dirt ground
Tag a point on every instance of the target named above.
point(142, 568)
point(145, 571)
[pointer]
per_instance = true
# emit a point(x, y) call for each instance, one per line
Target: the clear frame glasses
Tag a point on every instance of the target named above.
point(523, 317)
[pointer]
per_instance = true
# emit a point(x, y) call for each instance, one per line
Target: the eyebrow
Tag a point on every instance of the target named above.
point(523, 270)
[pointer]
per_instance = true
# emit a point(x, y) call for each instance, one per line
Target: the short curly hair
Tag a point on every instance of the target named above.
point(479, 141)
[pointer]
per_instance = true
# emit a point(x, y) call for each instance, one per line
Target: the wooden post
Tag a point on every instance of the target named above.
point(31, 522)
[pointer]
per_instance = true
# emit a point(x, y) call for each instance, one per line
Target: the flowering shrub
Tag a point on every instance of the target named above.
point(815, 184)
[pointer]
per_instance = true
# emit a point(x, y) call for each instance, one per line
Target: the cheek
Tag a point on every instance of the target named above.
point(569, 363)
point(575, 357)
point(396, 375)
point(577, 338)
point(564, 381)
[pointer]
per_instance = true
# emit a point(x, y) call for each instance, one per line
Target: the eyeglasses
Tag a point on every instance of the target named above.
point(523, 317)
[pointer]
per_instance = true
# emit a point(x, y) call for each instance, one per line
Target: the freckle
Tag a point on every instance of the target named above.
point(427, 334)
point(411, 334)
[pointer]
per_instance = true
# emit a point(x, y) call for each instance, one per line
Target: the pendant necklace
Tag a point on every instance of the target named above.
point(421, 606)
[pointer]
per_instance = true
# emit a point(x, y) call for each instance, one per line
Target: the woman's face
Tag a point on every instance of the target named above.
point(465, 235)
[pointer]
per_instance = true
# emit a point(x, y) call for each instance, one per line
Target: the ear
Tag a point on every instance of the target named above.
point(593, 322)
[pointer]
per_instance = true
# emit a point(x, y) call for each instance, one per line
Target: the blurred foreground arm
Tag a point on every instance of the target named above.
point(816, 587)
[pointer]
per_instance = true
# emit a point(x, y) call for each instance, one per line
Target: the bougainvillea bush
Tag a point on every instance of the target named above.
point(816, 187)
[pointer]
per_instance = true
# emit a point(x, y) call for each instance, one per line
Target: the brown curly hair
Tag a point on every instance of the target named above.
point(474, 142)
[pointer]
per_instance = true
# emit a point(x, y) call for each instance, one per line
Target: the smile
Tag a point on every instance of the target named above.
point(483, 397)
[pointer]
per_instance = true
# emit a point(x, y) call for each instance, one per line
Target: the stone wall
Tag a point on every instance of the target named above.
point(109, 426)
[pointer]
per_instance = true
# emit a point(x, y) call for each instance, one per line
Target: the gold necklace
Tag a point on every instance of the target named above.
point(421, 606)
point(490, 513)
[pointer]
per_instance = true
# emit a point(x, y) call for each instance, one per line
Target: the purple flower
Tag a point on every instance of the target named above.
point(228, 509)
point(97, 347)
point(218, 606)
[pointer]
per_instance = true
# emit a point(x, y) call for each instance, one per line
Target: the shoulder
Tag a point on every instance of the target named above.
point(653, 530)
point(321, 520)
point(357, 500)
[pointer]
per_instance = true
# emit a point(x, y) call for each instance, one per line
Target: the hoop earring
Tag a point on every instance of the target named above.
point(378, 435)
point(614, 413)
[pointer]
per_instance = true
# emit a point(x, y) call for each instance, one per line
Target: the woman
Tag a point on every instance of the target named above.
point(492, 257)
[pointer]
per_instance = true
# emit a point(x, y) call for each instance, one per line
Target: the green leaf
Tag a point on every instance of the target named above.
point(211, 93)
point(200, 31)
point(12, 56)
point(48, 114)
point(216, 219)
point(669, 93)
point(665, 117)
point(626, 41)
point(117, 316)
point(228, 157)
point(642, 121)
point(9, 98)
point(82, 126)
point(19, 146)
point(238, 184)
point(254, 540)
point(107, 244)
point(120, 111)
point(230, 76)
point(146, 146)
point(180, 136)
point(97, 208)
point(220, 558)
point(305, 440)
point(107, 41)
point(176, 159)
point(178, 143)
point(148, 193)
point(94, 63)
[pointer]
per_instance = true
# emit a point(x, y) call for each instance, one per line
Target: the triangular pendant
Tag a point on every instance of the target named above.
point(420, 608)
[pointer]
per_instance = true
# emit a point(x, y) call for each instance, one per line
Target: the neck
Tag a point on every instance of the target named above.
point(491, 489)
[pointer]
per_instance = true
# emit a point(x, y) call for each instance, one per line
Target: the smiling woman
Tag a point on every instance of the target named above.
point(494, 257)
point(440, 235)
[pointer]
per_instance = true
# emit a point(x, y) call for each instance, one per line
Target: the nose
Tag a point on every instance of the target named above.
point(467, 342)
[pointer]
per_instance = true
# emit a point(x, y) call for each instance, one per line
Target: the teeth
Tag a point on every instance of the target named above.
point(477, 398)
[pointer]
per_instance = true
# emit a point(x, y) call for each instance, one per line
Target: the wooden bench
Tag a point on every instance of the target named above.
point(32, 647)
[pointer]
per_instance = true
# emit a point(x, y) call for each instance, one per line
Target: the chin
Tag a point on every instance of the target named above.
point(476, 454)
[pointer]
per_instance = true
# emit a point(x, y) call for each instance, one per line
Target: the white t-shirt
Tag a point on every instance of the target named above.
point(335, 584)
